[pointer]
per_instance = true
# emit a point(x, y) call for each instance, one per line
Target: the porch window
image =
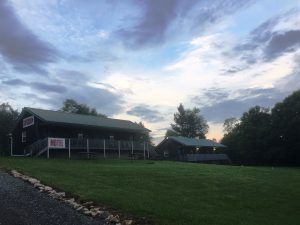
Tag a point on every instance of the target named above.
point(166, 154)
point(80, 136)
point(23, 136)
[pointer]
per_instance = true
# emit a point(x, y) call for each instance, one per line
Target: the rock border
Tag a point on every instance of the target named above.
point(87, 208)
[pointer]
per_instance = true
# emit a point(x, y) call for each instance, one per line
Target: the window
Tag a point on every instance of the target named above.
point(111, 137)
point(23, 136)
point(166, 154)
point(80, 135)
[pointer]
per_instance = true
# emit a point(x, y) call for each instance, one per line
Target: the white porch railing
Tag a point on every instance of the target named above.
point(88, 145)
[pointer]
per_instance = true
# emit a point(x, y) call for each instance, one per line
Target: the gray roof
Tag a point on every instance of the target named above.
point(193, 142)
point(84, 120)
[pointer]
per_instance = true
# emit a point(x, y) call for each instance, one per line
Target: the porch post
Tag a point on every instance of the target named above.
point(47, 152)
point(119, 147)
point(11, 146)
point(104, 148)
point(69, 148)
point(47, 148)
point(132, 147)
point(87, 145)
point(144, 150)
point(148, 150)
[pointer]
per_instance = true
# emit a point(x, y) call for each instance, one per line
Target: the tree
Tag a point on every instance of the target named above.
point(170, 133)
point(8, 117)
point(267, 137)
point(71, 106)
point(230, 124)
point(146, 137)
point(189, 123)
point(248, 141)
point(285, 131)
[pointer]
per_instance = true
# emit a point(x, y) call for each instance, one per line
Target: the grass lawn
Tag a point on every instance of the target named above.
point(172, 193)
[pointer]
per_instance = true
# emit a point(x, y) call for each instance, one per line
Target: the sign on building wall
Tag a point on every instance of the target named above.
point(56, 143)
point(28, 121)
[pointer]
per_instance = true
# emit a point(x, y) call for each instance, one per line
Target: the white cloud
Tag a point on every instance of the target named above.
point(103, 34)
point(200, 68)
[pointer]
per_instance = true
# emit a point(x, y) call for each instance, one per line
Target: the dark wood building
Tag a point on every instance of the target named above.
point(190, 149)
point(34, 125)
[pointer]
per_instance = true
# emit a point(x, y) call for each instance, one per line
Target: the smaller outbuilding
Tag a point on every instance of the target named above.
point(191, 149)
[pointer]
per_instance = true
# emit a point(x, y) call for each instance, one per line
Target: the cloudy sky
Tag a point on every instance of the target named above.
point(138, 59)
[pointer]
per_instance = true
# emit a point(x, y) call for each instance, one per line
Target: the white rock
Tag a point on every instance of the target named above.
point(96, 209)
point(72, 202)
point(36, 185)
point(61, 194)
point(47, 188)
point(87, 203)
point(33, 181)
point(79, 208)
point(55, 196)
point(84, 209)
point(113, 219)
point(24, 177)
point(87, 212)
point(128, 222)
point(16, 173)
point(42, 188)
point(75, 205)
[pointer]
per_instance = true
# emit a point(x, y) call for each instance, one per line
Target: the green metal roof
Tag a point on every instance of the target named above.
point(193, 142)
point(84, 120)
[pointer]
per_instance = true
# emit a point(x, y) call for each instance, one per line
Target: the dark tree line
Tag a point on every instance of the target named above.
point(71, 106)
point(266, 137)
point(8, 117)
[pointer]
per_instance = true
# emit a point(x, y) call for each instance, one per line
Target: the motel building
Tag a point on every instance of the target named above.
point(50, 133)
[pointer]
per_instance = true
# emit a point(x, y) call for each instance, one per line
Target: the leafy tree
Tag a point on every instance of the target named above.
point(8, 118)
point(189, 123)
point(170, 133)
point(248, 141)
point(146, 137)
point(230, 124)
point(71, 106)
point(267, 137)
point(285, 131)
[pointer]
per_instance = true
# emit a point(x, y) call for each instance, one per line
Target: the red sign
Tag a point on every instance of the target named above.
point(28, 121)
point(56, 143)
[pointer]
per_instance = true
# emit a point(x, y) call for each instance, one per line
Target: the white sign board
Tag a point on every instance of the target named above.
point(56, 143)
point(28, 121)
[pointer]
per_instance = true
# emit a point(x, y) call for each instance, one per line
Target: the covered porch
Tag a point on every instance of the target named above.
point(56, 146)
point(191, 149)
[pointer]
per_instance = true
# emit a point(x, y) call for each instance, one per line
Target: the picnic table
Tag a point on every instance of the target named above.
point(135, 156)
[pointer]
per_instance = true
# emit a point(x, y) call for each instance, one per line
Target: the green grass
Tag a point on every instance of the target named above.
point(176, 193)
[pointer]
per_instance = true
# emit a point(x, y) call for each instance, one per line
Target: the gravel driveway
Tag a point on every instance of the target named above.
point(21, 204)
